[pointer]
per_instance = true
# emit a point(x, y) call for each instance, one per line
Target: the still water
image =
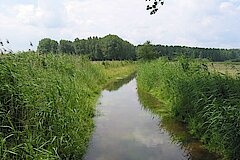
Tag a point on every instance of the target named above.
point(125, 130)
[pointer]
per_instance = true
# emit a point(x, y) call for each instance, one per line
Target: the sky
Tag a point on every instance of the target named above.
point(200, 23)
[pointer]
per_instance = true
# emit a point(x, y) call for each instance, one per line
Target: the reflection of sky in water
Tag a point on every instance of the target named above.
point(124, 131)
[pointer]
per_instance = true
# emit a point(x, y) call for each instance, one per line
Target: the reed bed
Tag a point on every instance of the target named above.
point(208, 102)
point(47, 105)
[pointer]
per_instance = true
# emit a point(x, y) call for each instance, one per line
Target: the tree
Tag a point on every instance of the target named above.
point(115, 48)
point(44, 45)
point(112, 47)
point(147, 51)
point(66, 47)
point(80, 46)
point(54, 46)
point(47, 45)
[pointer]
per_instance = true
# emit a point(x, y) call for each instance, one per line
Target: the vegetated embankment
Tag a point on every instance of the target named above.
point(47, 104)
point(208, 102)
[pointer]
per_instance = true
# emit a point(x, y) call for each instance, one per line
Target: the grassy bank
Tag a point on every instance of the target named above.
point(114, 70)
point(208, 102)
point(47, 104)
point(176, 129)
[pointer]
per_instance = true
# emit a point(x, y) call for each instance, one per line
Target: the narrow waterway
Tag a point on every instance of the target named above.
point(125, 130)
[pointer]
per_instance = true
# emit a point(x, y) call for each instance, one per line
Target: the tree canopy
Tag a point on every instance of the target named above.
point(147, 51)
point(47, 45)
point(112, 47)
point(66, 47)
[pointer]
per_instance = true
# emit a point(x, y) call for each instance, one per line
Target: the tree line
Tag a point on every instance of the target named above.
point(213, 54)
point(148, 51)
point(112, 47)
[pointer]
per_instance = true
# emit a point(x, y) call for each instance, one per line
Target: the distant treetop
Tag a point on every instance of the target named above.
point(112, 47)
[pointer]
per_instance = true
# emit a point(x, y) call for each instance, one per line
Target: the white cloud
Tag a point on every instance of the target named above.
point(203, 23)
point(230, 7)
point(26, 14)
point(46, 13)
point(226, 6)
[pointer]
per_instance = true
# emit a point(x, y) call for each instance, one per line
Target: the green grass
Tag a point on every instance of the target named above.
point(47, 104)
point(228, 68)
point(208, 102)
point(114, 70)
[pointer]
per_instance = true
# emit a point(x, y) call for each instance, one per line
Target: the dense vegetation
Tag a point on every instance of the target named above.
point(147, 51)
point(47, 100)
point(111, 47)
point(176, 129)
point(213, 54)
point(208, 102)
point(47, 103)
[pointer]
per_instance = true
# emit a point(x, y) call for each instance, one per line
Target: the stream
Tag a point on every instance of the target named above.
point(127, 130)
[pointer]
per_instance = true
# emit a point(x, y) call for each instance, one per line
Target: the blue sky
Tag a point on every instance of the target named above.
point(202, 23)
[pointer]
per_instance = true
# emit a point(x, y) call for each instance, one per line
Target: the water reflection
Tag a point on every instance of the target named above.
point(126, 131)
point(177, 130)
point(117, 84)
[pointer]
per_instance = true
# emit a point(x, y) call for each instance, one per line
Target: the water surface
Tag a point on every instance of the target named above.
point(125, 130)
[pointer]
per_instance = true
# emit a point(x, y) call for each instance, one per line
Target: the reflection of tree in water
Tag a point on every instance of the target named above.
point(117, 84)
point(177, 131)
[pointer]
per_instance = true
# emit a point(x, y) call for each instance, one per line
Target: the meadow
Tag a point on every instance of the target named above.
point(228, 68)
point(47, 103)
point(202, 97)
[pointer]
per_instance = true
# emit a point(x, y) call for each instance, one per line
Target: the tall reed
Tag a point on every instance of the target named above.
point(46, 105)
point(208, 102)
